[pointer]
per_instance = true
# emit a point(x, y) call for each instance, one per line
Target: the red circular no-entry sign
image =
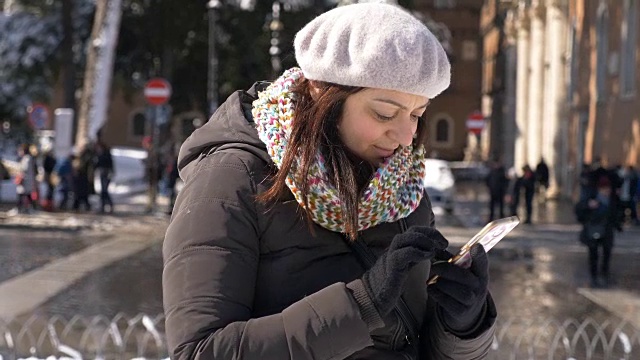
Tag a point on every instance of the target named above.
point(475, 122)
point(157, 91)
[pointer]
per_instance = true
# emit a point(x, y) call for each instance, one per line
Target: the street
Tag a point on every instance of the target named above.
point(538, 273)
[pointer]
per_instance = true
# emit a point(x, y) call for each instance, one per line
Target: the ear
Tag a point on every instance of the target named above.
point(314, 89)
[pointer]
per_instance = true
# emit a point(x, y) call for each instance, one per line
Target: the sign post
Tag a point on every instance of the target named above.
point(63, 143)
point(475, 123)
point(157, 92)
point(39, 117)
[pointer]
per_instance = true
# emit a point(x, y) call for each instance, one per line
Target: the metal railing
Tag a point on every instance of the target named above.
point(142, 337)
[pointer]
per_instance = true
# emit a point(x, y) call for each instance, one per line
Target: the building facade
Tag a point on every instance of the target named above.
point(524, 90)
point(447, 115)
point(604, 104)
point(561, 79)
point(130, 119)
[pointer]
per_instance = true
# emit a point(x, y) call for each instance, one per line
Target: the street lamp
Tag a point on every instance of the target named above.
point(275, 26)
point(212, 81)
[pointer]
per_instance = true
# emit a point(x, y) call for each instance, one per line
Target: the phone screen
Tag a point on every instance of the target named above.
point(488, 236)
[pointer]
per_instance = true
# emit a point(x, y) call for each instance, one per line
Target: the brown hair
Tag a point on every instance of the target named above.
point(315, 128)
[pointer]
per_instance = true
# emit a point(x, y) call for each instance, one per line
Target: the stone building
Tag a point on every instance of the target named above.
point(560, 82)
point(447, 115)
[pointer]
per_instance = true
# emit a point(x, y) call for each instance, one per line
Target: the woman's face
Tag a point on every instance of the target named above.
point(375, 122)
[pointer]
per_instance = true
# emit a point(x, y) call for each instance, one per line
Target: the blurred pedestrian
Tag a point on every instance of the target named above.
point(599, 216)
point(172, 175)
point(497, 183)
point(528, 184)
point(64, 171)
point(25, 179)
point(628, 191)
point(273, 243)
point(35, 195)
point(542, 180)
point(154, 170)
point(48, 166)
point(585, 181)
point(82, 170)
point(4, 173)
point(103, 165)
point(513, 192)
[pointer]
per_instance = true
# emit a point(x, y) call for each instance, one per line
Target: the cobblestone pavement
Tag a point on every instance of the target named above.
point(22, 252)
point(130, 287)
point(527, 280)
point(538, 271)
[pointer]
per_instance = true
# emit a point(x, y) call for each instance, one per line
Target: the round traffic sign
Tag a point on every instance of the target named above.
point(475, 122)
point(39, 118)
point(157, 91)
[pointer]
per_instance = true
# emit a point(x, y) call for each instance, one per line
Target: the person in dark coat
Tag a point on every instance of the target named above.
point(513, 191)
point(542, 179)
point(64, 170)
point(302, 230)
point(599, 216)
point(527, 182)
point(171, 174)
point(103, 164)
point(48, 165)
point(585, 181)
point(82, 173)
point(497, 183)
point(627, 193)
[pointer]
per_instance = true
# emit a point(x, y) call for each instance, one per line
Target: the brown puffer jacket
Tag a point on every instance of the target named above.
point(242, 281)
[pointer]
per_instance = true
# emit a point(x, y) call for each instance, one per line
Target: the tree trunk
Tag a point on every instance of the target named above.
point(69, 70)
point(99, 70)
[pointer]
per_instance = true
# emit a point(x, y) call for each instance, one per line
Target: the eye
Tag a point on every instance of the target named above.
point(384, 118)
point(415, 118)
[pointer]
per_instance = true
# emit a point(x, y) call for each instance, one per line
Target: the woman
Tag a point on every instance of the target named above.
point(302, 231)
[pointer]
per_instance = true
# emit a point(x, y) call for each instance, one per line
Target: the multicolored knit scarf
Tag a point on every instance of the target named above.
point(393, 193)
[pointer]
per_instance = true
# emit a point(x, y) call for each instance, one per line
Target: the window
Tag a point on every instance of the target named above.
point(442, 131)
point(602, 50)
point(469, 50)
point(628, 50)
point(139, 125)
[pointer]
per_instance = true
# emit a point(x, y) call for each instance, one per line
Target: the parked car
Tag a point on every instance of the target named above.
point(439, 184)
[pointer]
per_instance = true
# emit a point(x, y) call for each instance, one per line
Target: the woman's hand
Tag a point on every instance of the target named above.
point(461, 293)
point(382, 285)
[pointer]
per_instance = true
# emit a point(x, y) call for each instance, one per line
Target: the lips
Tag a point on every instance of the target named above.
point(384, 153)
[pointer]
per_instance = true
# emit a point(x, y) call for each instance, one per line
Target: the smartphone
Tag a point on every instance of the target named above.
point(489, 236)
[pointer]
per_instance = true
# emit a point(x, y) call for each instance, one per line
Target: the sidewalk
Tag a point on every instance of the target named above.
point(127, 209)
point(129, 231)
point(555, 229)
point(133, 233)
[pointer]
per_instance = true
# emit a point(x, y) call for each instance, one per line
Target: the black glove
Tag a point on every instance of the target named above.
point(384, 282)
point(461, 293)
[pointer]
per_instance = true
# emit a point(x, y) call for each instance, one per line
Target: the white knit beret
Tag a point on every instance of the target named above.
point(373, 45)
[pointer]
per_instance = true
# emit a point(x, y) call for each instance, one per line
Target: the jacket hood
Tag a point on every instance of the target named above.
point(231, 126)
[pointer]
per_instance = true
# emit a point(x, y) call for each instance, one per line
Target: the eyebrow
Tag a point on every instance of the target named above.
point(389, 101)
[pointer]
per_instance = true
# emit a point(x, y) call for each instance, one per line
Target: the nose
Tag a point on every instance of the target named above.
point(402, 132)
